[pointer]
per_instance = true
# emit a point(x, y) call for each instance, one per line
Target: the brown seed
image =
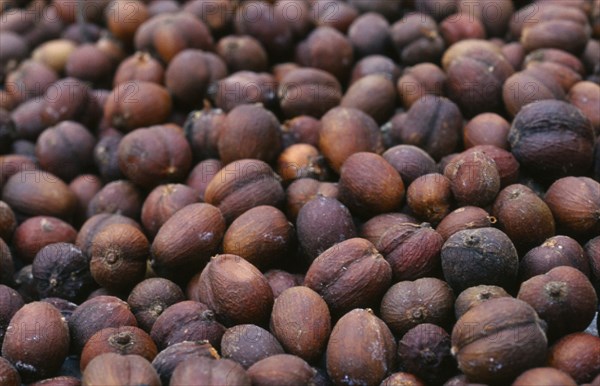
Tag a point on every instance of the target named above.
point(425, 352)
point(474, 178)
point(369, 185)
point(303, 190)
point(116, 369)
point(562, 34)
point(249, 131)
point(430, 197)
point(280, 280)
point(577, 355)
point(410, 161)
point(242, 53)
point(216, 15)
point(575, 205)
point(244, 87)
point(168, 359)
point(261, 21)
point(162, 202)
point(187, 321)
point(439, 134)
point(476, 71)
point(544, 376)
point(420, 80)
point(300, 320)
point(261, 235)
point(369, 35)
point(345, 14)
point(139, 66)
point(508, 166)
point(501, 359)
point(137, 103)
point(188, 238)
point(120, 197)
point(65, 149)
point(592, 250)
point(361, 349)
point(327, 49)
point(242, 185)
point(201, 175)
point(123, 18)
point(377, 226)
point(10, 302)
point(308, 91)
point(85, 187)
point(301, 160)
point(207, 371)
point(31, 79)
point(461, 26)
point(409, 303)
point(547, 152)
point(376, 64)
point(247, 344)
point(169, 33)
point(554, 252)
point(118, 257)
point(89, 64)
point(321, 223)
point(47, 230)
point(8, 374)
point(563, 297)
point(348, 275)
point(417, 39)
point(373, 94)
point(202, 130)
point(7, 264)
point(282, 370)
point(38, 193)
point(530, 85)
point(301, 129)
point(226, 275)
point(150, 298)
point(466, 217)
point(479, 256)
point(412, 250)
point(70, 99)
point(106, 157)
point(171, 155)
point(36, 341)
point(96, 314)
point(474, 296)
point(523, 216)
point(126, 340)
point(190, 73)
point(94, 225)
point(586, 96)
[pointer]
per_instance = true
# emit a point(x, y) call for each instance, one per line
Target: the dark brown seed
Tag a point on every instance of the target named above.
point(247, 344)
point(187, 321)
point(95, 314)
point(425, 352)
point(119, 197)
point(62, 270)
point(554, 252)
point(474, 296)
point(116, 369)
point(479, 256)
point(163, 202)
point(474, 178)
point(150, 298)
point(577, 355)
point(10, 302)
point(207, 371)
point(168, 359)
